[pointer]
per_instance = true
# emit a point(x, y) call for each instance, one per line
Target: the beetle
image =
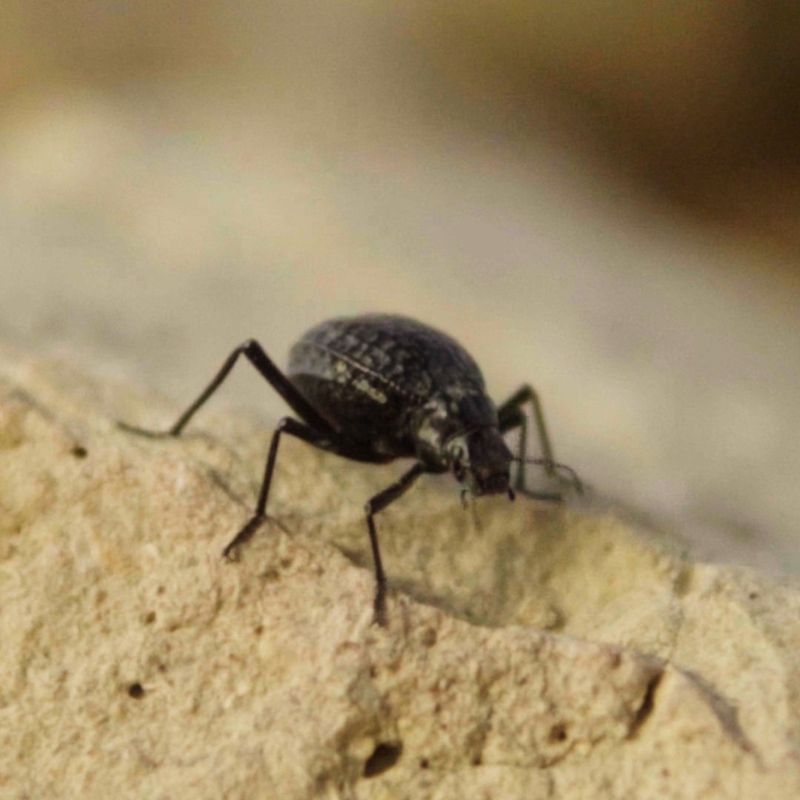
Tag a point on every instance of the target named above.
point(378, 387)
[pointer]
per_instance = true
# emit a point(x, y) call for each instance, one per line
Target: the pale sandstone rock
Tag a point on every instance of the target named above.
point(530, 653)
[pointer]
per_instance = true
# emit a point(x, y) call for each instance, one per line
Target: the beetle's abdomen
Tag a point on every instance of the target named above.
point(369, 374)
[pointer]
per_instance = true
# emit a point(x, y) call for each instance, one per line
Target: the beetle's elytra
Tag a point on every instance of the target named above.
point(379, 387)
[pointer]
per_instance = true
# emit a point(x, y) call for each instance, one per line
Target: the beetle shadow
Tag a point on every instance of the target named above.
point(470, 564)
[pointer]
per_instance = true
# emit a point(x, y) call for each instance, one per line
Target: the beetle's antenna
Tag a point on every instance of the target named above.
point(576, 481)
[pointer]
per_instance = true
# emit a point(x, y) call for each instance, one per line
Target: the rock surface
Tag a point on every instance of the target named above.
point(531, 652)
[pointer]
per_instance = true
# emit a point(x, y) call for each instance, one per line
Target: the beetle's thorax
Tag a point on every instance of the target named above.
point(461, 434)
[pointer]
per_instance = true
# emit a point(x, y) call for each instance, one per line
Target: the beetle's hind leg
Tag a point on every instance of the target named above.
point(512, 416)
point(255, 354)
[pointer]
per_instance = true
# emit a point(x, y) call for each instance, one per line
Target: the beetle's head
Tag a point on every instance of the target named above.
point(480, 461)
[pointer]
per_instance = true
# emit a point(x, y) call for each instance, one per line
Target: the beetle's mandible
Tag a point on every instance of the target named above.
point(378, 387)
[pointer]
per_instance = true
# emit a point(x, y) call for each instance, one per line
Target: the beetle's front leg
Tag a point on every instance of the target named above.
point(373, 506)
point(512, 416)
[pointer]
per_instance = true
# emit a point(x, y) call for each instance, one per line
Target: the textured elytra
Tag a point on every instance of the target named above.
point(373, 371)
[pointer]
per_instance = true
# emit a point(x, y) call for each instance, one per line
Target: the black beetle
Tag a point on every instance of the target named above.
point(378, 387)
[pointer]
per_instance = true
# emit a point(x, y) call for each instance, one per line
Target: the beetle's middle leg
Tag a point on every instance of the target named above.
point(319, 439)
point(373, 506)
point(512, 415)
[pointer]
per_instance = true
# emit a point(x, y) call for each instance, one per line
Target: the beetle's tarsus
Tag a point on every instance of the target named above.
point(253, 524)
point(124, 426)
point(380, 617)
point(554, 468)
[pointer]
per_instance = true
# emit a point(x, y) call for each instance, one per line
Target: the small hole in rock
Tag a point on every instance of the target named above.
point(476, 761)
point(558, 733)
point(429, 637)
point(384, 756)
point(149, 617)
point(424, 763)
point(79, 451)
point(647, 706)
point(136, 691)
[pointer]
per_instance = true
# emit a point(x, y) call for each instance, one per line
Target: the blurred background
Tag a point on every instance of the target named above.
point(599, 198)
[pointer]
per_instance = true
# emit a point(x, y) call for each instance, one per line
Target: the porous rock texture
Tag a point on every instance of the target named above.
point(531, 652)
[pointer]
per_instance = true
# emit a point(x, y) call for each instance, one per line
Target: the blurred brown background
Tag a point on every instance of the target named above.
point(600, 198)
